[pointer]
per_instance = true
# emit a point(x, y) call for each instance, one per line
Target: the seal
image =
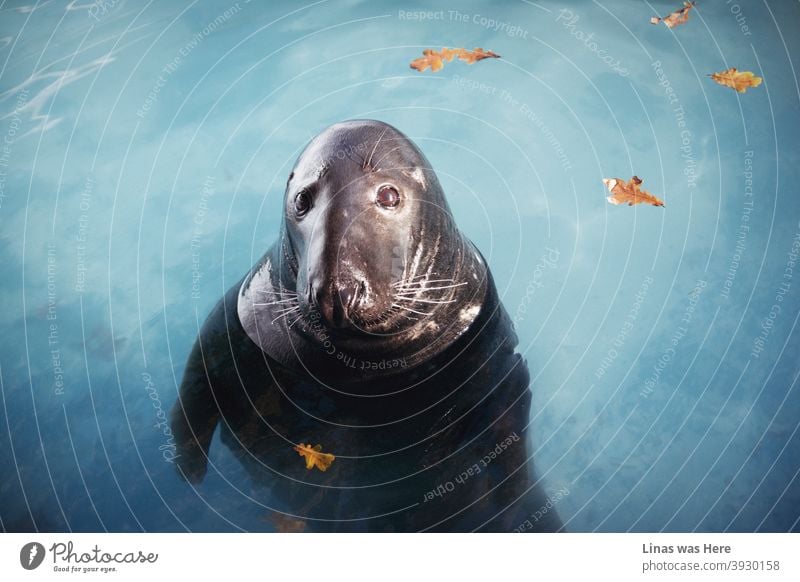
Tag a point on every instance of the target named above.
point(369, 244)
point(373, 326)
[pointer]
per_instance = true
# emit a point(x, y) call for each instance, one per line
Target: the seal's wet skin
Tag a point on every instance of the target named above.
point(371, 327)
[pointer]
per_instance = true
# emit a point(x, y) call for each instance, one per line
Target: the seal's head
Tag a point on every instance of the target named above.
point(369, 250)
point(366, 219)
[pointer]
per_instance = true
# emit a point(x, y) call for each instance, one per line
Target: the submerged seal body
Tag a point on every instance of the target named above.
point(373, 328)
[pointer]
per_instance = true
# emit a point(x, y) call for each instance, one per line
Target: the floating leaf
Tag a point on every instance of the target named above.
point(435, 60)
point(673, 19)
point(630, 194)
point(314, 456)
point(478, 54)
point(739, 80)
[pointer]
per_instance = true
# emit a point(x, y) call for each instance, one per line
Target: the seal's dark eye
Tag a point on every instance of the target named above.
point(302, 202)
point(388, 196)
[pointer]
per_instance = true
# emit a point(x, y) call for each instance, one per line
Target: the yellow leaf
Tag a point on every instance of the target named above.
point(475, 55)
point(739, 80)
point(430, 59)
point(314, 456)
point(630, 194)
point(448, 54)
point(673, 19)
point(435, 59)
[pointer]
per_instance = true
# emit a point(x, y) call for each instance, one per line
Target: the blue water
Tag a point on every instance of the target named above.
point(145, 149)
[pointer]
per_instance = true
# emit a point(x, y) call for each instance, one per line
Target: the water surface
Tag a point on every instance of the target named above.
point(146, 147)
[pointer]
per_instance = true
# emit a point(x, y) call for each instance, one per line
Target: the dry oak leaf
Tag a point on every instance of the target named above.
point(435, 60)
point(475, 55)
point(673, 19)
point(314, 456)
point(630, 194)
point(739, 80)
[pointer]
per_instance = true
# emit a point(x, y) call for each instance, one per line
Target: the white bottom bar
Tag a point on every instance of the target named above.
point(354, 557)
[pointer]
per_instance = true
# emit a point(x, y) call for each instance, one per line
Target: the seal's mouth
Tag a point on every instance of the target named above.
point(386, 321)
point(351, 312)
point(338, 302)
point(352, 307)
point(413, 300)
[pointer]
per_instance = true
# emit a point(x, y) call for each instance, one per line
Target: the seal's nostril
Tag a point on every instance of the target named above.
point(345, 301)
point(346, 297)
point(338, 317)
point(318, 299)
point(311, 297)
point(362, 290)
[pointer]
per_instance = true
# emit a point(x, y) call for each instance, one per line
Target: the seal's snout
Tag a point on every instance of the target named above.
point(343, 300)
point(338, 302)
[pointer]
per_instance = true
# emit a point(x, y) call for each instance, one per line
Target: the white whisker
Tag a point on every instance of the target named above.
point(411, 283)
point(279, 302)
point(372, 153)
point(286, 312)
point(411, 310)
point(413, 299)
point(409, 279)
point(410, 289)
point(280, 292)
point(296, 319)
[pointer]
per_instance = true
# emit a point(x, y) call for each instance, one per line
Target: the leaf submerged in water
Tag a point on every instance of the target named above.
point(314, 456)
point(288, 524)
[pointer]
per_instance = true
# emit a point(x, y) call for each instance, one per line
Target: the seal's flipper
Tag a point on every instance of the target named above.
point(194, 418)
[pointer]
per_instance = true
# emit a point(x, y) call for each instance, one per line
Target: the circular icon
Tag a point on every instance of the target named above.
point(31, 555)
